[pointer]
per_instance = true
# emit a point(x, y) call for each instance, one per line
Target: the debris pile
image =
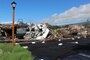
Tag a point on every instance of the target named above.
point(37, 32)
point(46, 31)
point(68, 31)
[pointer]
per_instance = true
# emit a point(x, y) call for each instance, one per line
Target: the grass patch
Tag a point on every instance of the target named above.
point(7, 52)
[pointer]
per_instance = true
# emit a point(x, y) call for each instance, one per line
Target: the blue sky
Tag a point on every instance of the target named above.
point(36, 10)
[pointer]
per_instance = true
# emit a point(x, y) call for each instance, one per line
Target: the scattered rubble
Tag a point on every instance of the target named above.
point(69, 31)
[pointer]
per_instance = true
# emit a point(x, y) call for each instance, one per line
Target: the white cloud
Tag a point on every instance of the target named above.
point(7, 22)
point(73, 14)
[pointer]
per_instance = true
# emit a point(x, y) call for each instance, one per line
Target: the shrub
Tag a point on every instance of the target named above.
point(14, 53)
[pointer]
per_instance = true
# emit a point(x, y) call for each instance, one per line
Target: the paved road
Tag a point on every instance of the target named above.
point(54, 49)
